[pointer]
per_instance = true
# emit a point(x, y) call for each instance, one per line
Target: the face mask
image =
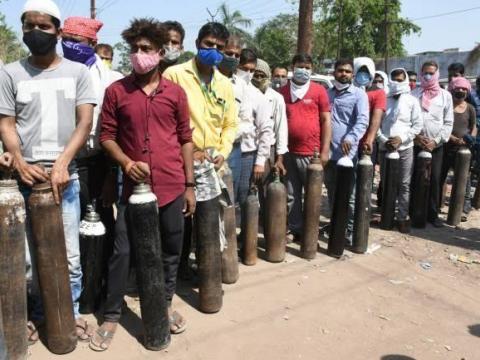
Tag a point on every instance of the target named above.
point(144, 63)
point(245, 75)
point(40, 42)
point(261, 84)
point(412, 85)
point(301, 75)
point(77, 52)
point(229, 63)
point(398, 88)
point(209, 57)
point(341, 85)
point(279, 82)
point(363, 78)
point(108, 64)
point(172, 54)
point(460, 95)
point(379, 86)
point(427, 77)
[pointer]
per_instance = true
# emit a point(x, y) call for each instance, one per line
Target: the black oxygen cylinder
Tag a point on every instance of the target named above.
point(209, 256)
point(92, 235)
point(146, 240)
point(311, 208)
point(250, 210)
point(3, 345)
point(363, 195)
point(476, 196)
point(275, 220)
point(52, 264)
point(460, 176)
point(13, 292)
point(339, 218)
point(229, 255)
point(390, 190)
point(421, 189)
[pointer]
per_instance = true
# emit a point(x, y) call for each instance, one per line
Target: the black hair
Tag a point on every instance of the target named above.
point(411, 73)
point(430, 63)
point(302, 58)
point(56, 22)
point(235, 41)
point(148, 28)
point(456, 68)
point(341, 62)
point(279, 67)
point(106, 47)
point(248, 56)
point(214, 29)
point(175, 26)
point(396, 72)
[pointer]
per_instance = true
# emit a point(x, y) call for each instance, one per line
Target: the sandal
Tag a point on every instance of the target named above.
point(85, 334)
point(175, 320)
point(32, 333)
point(105, 340)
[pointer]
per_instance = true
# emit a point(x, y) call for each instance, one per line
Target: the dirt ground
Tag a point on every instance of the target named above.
point(415, 297)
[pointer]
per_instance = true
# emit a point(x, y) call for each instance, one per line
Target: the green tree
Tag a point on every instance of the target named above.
point(122, 52)
point(11, 49)
point(234, 21)
point(186, 55)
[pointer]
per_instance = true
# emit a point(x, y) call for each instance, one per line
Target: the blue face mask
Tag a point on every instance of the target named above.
point(363, 78)
point(427, 77)
point(301, 75)
point(209, 57)
point(79, 52)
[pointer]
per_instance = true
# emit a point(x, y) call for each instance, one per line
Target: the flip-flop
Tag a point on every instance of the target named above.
point(32, 333)
point(174, 321)
point(84, 328)
point(106, 339)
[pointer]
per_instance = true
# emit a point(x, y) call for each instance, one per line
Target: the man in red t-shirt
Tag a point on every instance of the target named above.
point(309, 130)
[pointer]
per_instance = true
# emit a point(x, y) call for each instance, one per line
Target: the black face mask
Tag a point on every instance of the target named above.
point(40, 42)
point(459, 95)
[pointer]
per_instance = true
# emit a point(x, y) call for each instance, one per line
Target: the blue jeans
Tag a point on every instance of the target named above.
point(235, 164)
point(248, 159)
point(71, 226)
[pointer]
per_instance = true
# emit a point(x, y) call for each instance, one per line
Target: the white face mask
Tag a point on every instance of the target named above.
point(340, 86)
point(172, 53)
point(247, 76)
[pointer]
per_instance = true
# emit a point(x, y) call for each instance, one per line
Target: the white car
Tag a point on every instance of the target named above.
point(325, 80)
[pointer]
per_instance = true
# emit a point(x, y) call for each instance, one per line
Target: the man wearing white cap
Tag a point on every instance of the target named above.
point(47, 101)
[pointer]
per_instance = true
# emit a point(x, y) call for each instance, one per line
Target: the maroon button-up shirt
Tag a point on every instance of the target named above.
point(149, 128)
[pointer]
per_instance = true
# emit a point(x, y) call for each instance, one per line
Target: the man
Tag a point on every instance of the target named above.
point(350, 112)
point(279, 77)
point(161, 155)
point(402, 123)
point(46, 110)
point(412, 79)
point(437, 115)
point(213, 115)
point(309, 131)
point(174, 46)
point(255, 127)
point(105, 53)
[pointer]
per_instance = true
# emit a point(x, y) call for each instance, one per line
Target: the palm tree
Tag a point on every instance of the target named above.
point(235, 21)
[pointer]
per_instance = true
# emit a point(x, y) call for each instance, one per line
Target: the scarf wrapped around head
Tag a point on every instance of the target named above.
point(459, 83)
point(431, 88)
point(398, 88)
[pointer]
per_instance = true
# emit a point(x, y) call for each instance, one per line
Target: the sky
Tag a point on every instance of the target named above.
point(438, 33)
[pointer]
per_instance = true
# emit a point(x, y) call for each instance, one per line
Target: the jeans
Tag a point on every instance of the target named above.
point(235, 164)
point(71, 227)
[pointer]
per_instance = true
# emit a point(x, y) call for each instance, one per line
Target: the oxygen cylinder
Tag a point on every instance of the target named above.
point(229, 255)
point(209, 257)
point(390, 190)
point(311, 208)
point(3, 345)
point(250, 211)
point(339, 218)
point(52, 265)
point(13, 292)
point(275, 220)
point(476, 196)
point(421, 189)
point(460, 176)
point(92, 235)
point(147, 244)
point(363, 194)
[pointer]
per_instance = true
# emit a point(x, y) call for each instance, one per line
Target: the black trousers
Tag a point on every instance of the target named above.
point(436, 183)
point(171, 231)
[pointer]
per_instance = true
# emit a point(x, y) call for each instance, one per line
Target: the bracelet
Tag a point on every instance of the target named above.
point(190, 184)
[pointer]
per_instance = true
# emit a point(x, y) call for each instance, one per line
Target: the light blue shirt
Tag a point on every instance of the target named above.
point(350, 117)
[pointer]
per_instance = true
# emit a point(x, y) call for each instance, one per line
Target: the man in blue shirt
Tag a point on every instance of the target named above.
point(350, 112)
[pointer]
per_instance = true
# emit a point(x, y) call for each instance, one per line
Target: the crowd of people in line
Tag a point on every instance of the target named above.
point(73, 121)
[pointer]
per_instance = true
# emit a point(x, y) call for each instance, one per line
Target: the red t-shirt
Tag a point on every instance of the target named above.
point(377, 100)
point(304, 129)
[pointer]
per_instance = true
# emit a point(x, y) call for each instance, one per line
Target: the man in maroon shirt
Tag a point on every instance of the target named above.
point(309, 130)
point(146, 130)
